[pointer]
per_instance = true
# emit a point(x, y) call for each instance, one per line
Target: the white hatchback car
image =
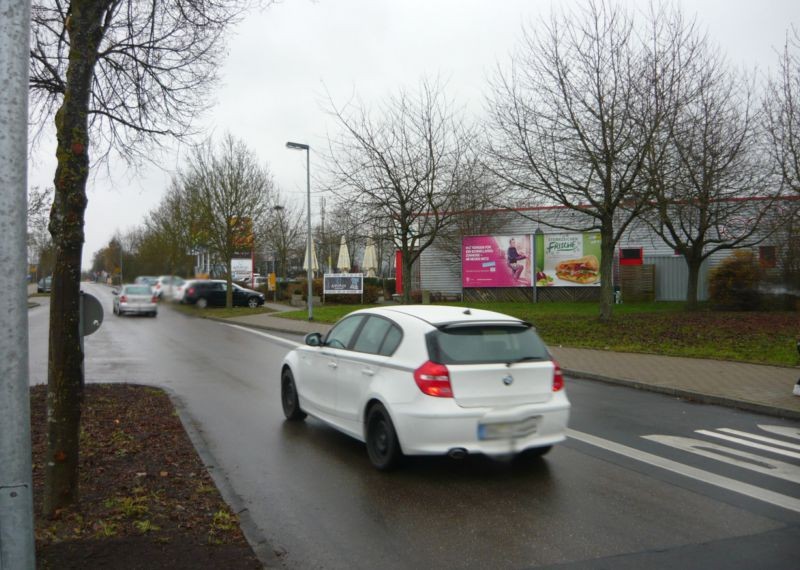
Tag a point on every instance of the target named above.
point(426, 379)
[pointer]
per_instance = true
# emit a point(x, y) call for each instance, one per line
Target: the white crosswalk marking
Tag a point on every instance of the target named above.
point(791, 432)
point(708, 477)
point(748, 443)
point(770, 440)
point(757, 463)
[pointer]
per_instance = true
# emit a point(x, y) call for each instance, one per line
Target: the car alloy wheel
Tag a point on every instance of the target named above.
point(252, 302)
point(289, 399)
point(202, 303)
point(383, 447)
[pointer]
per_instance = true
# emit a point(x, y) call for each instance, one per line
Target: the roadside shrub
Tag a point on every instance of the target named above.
point(733, 285)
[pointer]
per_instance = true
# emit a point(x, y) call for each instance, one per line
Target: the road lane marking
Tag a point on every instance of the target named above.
point(278, 339)
point(748, 443)
point(769, 440)
point(791, 432)
point(777, 499)
point(758, 463)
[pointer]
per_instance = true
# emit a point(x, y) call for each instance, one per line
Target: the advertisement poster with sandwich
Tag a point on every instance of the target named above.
point(568, 260)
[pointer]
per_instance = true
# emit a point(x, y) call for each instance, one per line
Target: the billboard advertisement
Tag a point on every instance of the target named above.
point(343, 283)
point(568, 260)
point(242, 269)
point(497, 261)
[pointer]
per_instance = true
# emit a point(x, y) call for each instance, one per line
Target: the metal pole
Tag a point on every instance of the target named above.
point(310, 260)
point(16, 480)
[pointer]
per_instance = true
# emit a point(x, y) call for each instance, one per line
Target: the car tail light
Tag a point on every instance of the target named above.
point(190, 291)
point(123, 299)
point(434, 380)
point(154, 299)
point(558, 377)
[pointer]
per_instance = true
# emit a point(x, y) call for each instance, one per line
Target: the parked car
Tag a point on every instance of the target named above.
point(145, 280)
point(179, 289)
point(136, 299)
point(45, 284)
point(423, 380)
point(165, 285)
point(212, 293)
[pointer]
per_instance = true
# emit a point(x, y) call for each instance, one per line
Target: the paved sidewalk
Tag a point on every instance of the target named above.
point(753, 387)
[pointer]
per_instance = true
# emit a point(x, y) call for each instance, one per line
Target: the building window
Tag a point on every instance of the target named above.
point(767, 257)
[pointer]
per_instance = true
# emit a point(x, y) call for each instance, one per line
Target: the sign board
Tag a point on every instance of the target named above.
point(497, 261)
point(242, 269)
point(568, 260)
point(91, 316)
point(271, 282)
point(343, 283)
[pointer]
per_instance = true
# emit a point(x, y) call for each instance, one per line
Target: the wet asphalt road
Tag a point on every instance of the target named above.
point(596, 501)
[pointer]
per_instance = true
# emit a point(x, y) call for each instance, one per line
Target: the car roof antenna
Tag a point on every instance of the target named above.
point(467, 312)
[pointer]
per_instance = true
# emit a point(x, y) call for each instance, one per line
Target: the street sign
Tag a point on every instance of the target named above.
point(91, 314)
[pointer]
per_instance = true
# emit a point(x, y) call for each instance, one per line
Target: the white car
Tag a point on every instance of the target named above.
point(426, 379)
point(165, 285)
point(179, 289)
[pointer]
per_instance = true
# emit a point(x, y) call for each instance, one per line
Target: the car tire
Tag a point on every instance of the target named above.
point(289, 399)
point(202, 303)
point(252, 302)
point(154, 314)
point(383, 447)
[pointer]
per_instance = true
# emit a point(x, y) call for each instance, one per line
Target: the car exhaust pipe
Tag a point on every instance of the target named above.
point(457, 453)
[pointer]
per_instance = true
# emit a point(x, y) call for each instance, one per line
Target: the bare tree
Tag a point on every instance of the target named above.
point(230, 193)
point(782, 112)
point(111, 74)
point(282, 231)
point(573, 119)
point(40, 246)
point(710, 180)
point(170, 228)
point(476, 210)
point(405, 167)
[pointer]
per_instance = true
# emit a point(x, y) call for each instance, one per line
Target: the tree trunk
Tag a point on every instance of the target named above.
point(406, 276)
point(65, 360)
point(694, 264)
point(229, 289)
point(606, 270)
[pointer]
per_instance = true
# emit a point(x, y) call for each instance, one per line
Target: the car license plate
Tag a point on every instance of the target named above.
point(509, 430)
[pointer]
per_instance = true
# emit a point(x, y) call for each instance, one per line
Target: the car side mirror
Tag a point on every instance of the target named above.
point(114, 292)
point(313, 339)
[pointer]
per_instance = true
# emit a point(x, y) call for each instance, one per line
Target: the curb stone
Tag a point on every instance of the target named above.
point(689, 395)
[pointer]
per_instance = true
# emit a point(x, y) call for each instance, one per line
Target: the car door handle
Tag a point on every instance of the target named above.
point(368, 372)
point(332, 365)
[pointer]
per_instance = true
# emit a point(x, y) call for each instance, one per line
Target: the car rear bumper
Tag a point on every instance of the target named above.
point(138, 309)
point(440, 425)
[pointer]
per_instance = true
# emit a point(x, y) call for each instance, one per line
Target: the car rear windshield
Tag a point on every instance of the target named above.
point(486, 343)
point(140, 290)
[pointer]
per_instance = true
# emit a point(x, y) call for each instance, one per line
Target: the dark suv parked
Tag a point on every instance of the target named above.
point(211, 293)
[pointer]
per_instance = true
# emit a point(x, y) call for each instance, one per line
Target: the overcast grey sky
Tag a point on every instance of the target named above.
point(283, 61)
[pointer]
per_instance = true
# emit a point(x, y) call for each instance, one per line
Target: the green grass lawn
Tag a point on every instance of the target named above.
point(218, 312)
point(656, 328)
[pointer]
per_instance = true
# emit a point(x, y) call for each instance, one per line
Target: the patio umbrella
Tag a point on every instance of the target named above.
point(343, 265)
point(370, 263)
point(314, 264)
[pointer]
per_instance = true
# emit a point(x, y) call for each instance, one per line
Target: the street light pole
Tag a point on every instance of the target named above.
point(309, 274)
point(16, 479)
